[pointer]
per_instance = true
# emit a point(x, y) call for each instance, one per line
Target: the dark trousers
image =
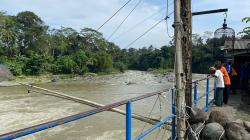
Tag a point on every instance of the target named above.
point(219, 96)
point(233, 84)
point(226, 94)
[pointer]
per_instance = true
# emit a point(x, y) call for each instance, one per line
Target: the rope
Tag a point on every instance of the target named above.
point(114, 14)
point(119, 26)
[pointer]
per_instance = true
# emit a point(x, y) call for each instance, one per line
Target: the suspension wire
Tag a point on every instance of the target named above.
point(147, 31)
point(141, 22)
point(167, 20)
point(119, 26)
point(114, 14)
point(160, 109)
point(150, 113)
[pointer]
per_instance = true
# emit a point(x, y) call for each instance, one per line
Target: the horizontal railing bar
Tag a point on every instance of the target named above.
point(154, 127)
point(204, 95)
point(203, 79)
point(47, 125)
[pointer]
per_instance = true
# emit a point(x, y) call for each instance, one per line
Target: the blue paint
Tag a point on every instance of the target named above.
point(40, 127)
point(129, 121)
point(207, 96)
point(195, 94)
point(154, 127)
point(174, 113)
point(48, 125)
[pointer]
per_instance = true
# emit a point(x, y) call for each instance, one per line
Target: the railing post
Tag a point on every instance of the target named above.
point(195, 94)
point(174, 113)
point(129, 121)
point(207, 95)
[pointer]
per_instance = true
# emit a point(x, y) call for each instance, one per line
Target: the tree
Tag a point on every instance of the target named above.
point(36, 64)
point(8, 34)
point(32, 29)
point(80, 59)
point(246, 31)
point(102, 62)
point(65, 64)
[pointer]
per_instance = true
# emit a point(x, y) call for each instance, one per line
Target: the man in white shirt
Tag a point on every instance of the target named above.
point(219, 85)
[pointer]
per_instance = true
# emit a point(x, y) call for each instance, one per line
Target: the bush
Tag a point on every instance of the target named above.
point(120, 66)
point(65, 65)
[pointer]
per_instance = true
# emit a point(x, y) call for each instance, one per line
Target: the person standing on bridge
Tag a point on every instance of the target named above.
point(219, 84)
point(227, 83)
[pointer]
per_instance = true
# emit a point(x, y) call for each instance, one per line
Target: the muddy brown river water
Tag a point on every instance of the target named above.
point(20, 109)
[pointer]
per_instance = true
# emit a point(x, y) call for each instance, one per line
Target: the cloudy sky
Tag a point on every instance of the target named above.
point(92, 13)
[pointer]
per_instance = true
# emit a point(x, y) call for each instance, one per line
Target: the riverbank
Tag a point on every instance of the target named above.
point(48, 78)
point(238, 107)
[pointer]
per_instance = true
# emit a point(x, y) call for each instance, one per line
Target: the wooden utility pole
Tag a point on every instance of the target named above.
point(186, 16)
point(180, 94)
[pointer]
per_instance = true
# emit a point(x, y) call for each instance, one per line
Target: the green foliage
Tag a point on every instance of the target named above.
point(65, 64)
point(28, 47)
point(246, 31)
point(15, 66)
point(36, 64)
point(102, 62)
point(120, 66)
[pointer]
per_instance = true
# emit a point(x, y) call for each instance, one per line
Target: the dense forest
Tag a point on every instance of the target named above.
point(29, 47)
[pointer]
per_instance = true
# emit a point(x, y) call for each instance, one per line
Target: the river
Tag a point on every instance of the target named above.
point(20, 109)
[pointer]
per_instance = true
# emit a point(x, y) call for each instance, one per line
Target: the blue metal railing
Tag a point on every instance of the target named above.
point(154, 127)
point(207, 94)
point(47, 125)
point(129, 121)
point(128, 102)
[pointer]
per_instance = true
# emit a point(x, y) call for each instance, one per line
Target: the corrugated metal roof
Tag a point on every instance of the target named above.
point(238, 45)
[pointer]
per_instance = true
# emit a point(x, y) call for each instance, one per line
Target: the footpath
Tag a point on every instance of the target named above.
point(238, 107)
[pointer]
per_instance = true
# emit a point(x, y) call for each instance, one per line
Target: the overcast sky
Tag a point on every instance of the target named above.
point(92, 13)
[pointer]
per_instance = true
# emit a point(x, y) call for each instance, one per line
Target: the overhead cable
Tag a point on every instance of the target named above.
point(139, 23)
point(148, 30)
point(119, 26)
point(114, 14)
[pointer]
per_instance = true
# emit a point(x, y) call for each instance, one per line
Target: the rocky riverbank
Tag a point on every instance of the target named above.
point(89, 77)
point(216, 125)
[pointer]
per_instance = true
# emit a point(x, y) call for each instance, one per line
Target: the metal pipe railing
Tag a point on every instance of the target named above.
point(207, 96)
point(129, 121)
point(128, 102)
point(207, 93)
point(195, 94)
point(154, 127)
point(47, 125)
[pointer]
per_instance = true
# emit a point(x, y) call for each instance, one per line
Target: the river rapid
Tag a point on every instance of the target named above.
point(20, 109)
